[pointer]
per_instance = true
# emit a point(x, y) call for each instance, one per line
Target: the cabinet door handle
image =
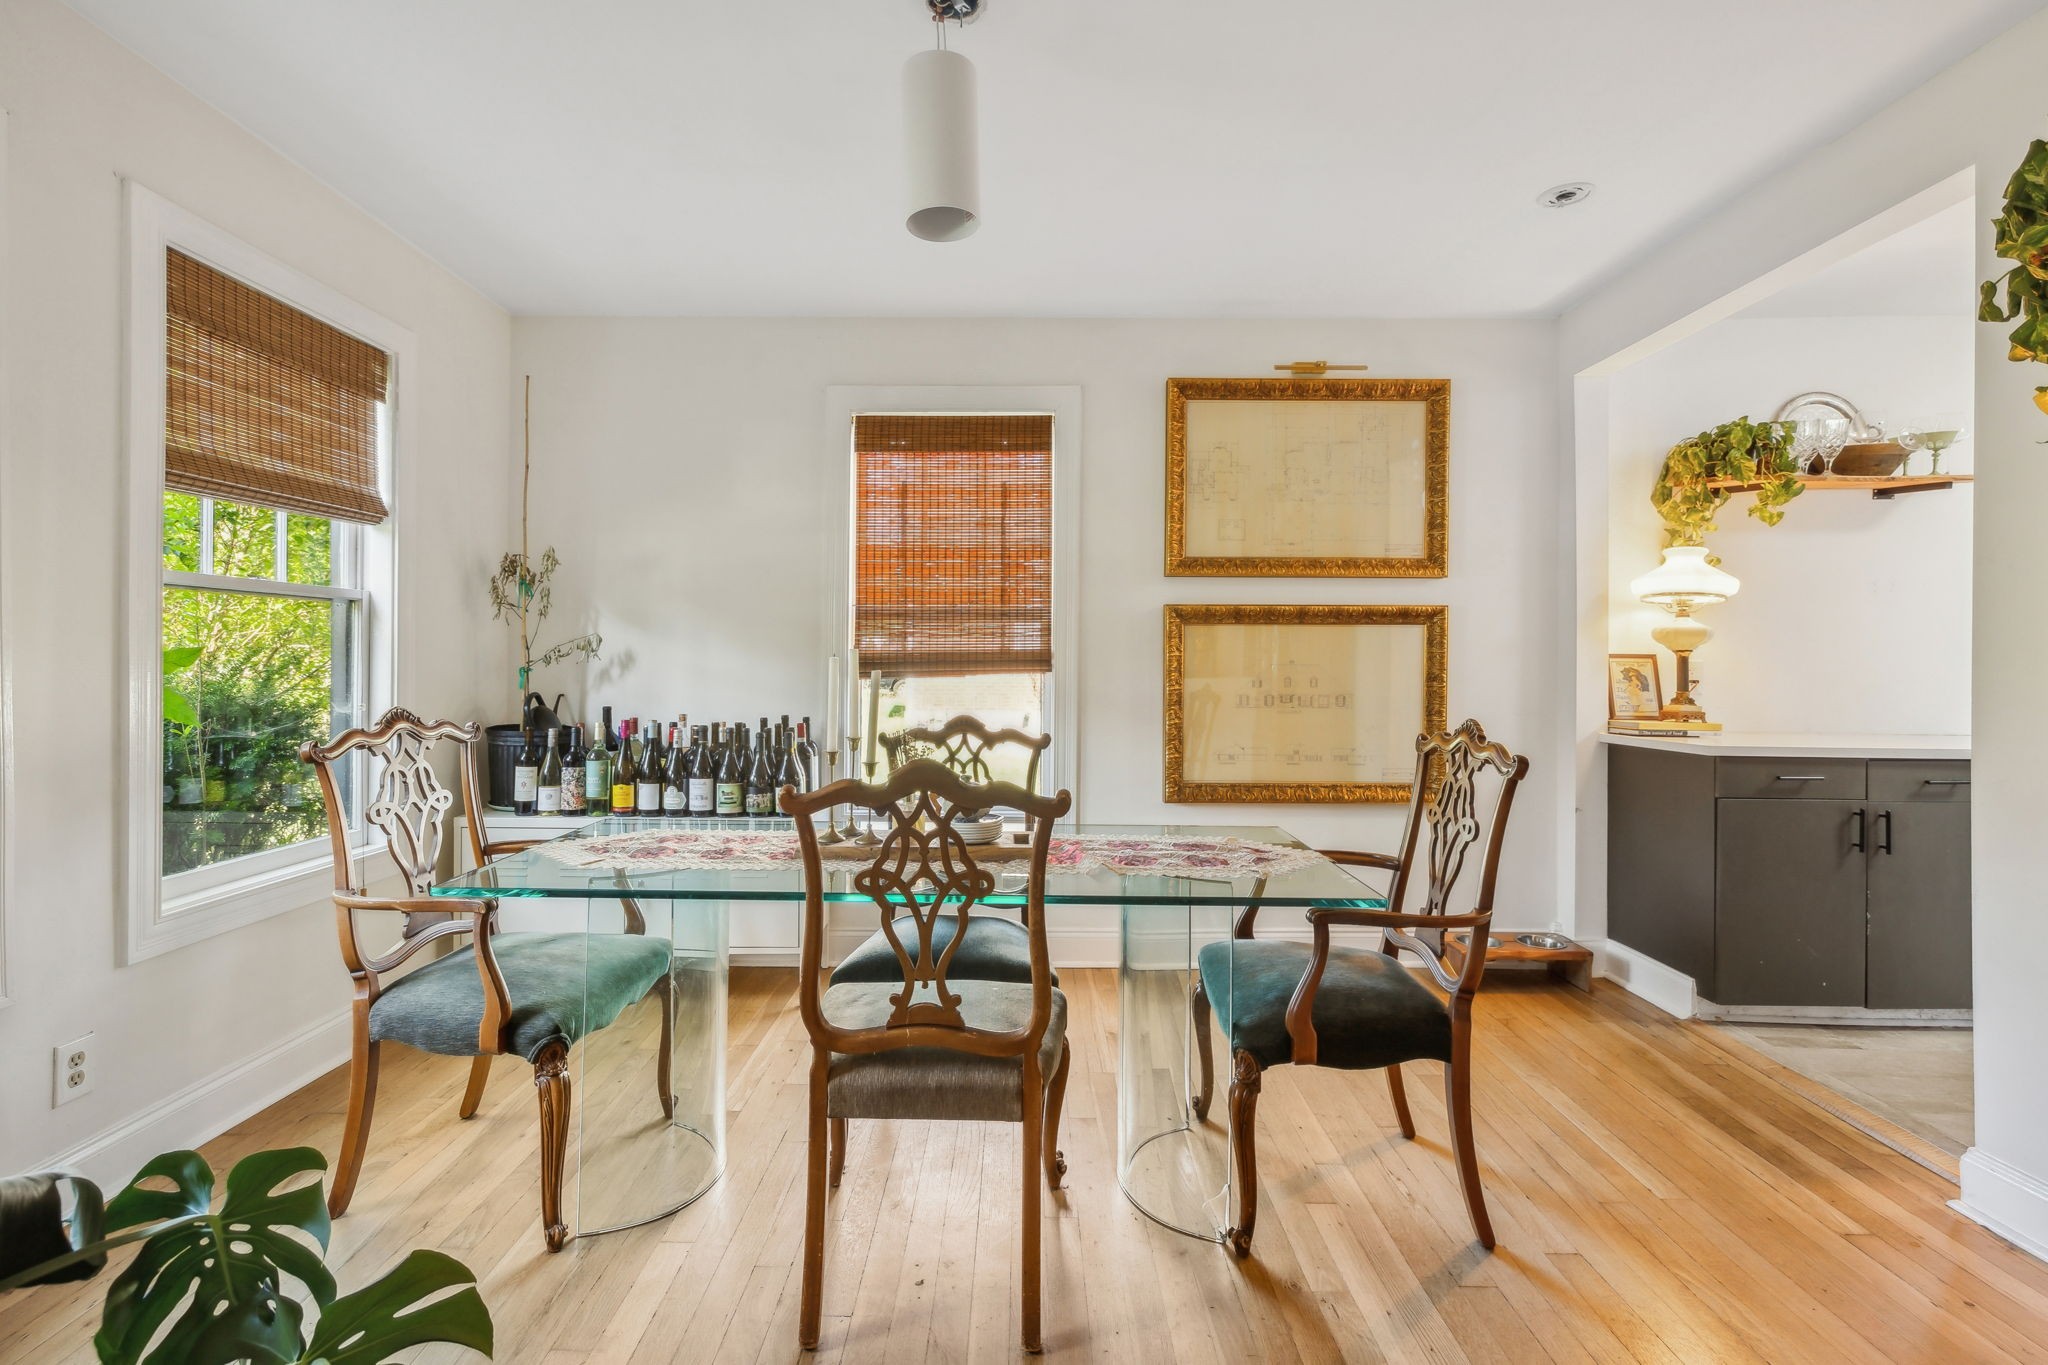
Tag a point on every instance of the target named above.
point(1945, 782)
point(1884, 843)
point(1802, 777)
point(1856, 841)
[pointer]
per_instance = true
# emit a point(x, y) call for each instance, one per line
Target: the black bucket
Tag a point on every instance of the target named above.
point(503, 742)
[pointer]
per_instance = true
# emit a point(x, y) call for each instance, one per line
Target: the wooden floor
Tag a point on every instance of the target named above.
point(1656, 1199)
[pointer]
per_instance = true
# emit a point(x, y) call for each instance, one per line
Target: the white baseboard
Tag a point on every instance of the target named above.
point(1665, 987)
point(206, 1109)
point(2005, 1199)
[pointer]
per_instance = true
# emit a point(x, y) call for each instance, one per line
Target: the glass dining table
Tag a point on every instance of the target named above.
point(630, 1165)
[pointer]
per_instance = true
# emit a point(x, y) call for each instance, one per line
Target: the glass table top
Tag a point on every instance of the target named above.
point(532, 873)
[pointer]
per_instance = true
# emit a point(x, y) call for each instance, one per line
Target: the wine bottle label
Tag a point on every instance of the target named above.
point(760, 803)
point(622, 798)
point(647, 796)
point(548, 799)
point(702, 795)
point(595, 779)
point(675, 800)
point(730, 802)
point(573, 800)
point(525, 782)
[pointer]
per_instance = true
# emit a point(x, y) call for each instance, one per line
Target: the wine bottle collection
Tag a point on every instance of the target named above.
point(718, 770)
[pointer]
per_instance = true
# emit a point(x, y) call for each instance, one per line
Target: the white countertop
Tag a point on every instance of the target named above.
point(1759, 744)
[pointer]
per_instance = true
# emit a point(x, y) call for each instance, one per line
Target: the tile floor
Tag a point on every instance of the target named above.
point(1919, 1078)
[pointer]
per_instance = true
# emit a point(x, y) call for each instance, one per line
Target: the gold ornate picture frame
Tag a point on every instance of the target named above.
point(1296, 704)
point(1308, 478)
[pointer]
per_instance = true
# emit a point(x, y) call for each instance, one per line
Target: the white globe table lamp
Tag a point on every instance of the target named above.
point(1684, 582)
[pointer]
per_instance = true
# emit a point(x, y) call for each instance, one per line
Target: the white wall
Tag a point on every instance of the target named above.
point(1854, 614)
point(198, 1036)
point(684, 470)
point(1979, 113)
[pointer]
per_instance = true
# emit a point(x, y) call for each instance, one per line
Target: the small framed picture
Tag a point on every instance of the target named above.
point(1634, 691)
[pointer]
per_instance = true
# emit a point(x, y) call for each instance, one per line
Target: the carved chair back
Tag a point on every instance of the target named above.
point(1464, 789)
point(923, 870)
point(407, 803)
point(963, 745)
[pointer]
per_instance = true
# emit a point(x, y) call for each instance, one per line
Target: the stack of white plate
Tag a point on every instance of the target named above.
point(987, 830)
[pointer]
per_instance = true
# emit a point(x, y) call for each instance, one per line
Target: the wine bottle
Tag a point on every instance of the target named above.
point(702, 774)
point(547, 796)
point(624, 776)
point(597, 771)
point(572, 774)
point(807, 756)
point(647, 789)
point(789, 769)
point(675, 777)
point(525, 775)
point(761, 776)
point(731, 789)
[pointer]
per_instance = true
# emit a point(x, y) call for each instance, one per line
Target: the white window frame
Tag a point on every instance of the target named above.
point(6, 651)
point(845, 402)
point(162, 914)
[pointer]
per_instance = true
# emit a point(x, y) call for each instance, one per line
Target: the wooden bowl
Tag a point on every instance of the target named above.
point(1867, 460)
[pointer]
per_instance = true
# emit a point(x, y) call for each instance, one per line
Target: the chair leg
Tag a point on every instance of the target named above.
point(835, 1162)
point(1244, 1108)
point(1400, 1092)
point(814, 1211)
point(1458, 1103)
point(1034, 1137)
point(664, 1068)
point(551, 1084)
point(1055, 1099)
point(473, 1093)
point(362, 1102)
point(1198, 1021)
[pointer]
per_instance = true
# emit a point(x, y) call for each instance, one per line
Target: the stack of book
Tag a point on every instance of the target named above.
point(1659, 725)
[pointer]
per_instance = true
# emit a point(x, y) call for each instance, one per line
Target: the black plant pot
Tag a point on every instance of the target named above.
point(503, 742)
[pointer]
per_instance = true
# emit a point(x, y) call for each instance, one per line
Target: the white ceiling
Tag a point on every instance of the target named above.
point(1340, 158)
point(1928, 269)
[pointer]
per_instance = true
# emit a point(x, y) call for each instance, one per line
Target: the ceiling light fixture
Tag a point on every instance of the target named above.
point(1564, 196)
point(939, 141)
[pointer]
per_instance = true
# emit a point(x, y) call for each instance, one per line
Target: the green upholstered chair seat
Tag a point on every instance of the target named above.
point(1369, 1011)
point(440, 1007)
point(935, 1082)
point(994, 949)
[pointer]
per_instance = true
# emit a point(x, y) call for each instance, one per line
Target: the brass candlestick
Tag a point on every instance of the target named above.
point(865, 837)
point(831, 834)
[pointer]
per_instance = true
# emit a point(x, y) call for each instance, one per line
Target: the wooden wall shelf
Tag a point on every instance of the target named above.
point(1885, 486)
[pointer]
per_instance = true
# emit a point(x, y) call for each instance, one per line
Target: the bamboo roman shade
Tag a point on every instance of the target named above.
point(953, 543)
point(266, 405)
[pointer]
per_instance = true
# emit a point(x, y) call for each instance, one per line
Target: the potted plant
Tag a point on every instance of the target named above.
point(2023, 238)
point(1759, 453)
point(208, 1285)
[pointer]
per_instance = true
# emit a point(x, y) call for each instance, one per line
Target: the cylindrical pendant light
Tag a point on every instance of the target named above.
point(940, 146)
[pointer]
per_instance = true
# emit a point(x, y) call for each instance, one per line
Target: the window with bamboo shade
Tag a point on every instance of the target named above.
point(265, 404)
point(953, 543)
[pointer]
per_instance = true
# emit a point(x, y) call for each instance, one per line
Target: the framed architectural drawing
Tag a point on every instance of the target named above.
point(1299, 704)
point(1308, 478)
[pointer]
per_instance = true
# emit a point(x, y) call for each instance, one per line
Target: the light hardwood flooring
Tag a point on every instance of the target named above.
point(1656, 1198)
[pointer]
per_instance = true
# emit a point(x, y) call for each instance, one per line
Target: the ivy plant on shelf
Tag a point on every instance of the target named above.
point(208, 1286)
point(2023, 239)
point(1687, 495)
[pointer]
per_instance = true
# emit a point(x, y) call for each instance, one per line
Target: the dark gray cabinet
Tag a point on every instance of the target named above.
point(1840, 882)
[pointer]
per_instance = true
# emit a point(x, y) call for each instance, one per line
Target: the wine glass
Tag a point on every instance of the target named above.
point(1819, 439)
point(1934, 433)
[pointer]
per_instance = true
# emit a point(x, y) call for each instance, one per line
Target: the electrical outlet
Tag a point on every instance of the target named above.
point(71, 1069)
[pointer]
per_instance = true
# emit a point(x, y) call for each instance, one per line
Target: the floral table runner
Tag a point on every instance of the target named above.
point(1175, 855)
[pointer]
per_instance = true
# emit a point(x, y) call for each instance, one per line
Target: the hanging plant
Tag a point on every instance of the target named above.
point(1749, 452)
point(2023, 238)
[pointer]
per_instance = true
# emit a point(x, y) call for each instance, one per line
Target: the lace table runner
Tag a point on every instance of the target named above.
point(1176, 855)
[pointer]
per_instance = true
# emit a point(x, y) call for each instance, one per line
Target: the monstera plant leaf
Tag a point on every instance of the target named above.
point(225, 1270)
point(368, 1326)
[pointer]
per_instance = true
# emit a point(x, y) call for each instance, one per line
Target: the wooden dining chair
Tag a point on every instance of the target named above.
point(963, 744)
point(1311, 1004)
point(534, 994)
point(928, 1044)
